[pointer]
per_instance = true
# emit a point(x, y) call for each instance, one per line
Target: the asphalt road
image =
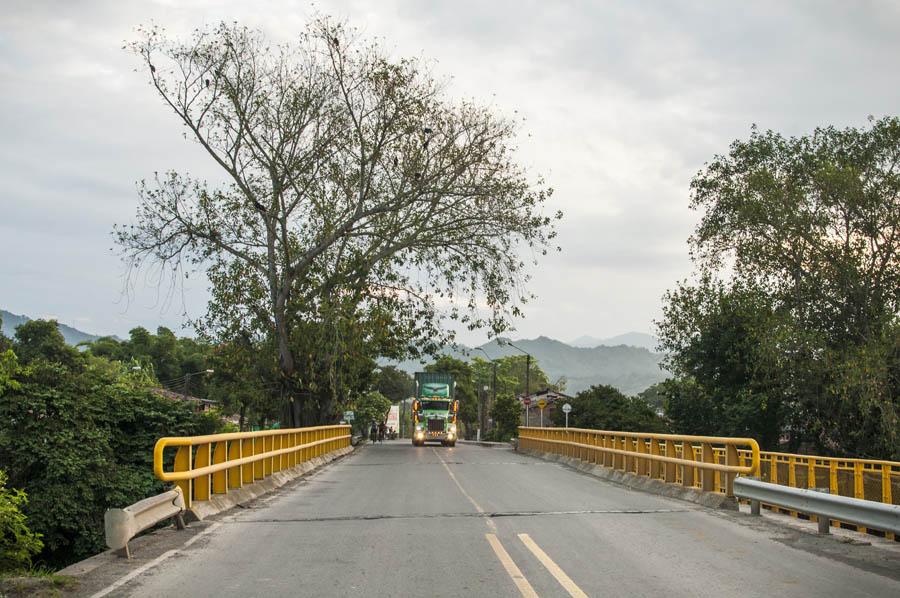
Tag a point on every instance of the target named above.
point(395, 520)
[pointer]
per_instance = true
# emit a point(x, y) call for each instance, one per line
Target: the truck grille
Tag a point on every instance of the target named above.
point(435, 425)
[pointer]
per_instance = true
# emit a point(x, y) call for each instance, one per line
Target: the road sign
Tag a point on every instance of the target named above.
point(348, 416)
point(541, 403)
point(567, 408)
point(527, 401)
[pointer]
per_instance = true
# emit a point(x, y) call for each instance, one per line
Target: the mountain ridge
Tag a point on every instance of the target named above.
point(72, 335)
point(631, 369)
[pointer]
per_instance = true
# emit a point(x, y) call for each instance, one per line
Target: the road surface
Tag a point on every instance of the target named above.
point(396, 520)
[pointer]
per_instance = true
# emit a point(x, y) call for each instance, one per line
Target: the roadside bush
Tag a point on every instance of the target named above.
point(17, 543)
point(77, 435)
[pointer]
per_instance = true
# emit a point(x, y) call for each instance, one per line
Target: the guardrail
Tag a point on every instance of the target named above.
point(824, 506)
point(208, 465)
point(121, 525)
point(865, 479)
point(709, 463)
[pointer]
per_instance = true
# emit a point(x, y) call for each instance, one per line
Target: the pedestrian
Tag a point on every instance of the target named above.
point(382, 430)
point(373, 432)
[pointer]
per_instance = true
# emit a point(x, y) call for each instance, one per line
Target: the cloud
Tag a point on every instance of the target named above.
point(622, 103)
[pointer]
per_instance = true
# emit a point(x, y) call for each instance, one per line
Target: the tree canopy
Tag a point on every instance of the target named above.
point(356, 192)
point(790, 330)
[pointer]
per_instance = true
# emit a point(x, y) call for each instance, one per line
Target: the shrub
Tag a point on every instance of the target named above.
point(17, 543)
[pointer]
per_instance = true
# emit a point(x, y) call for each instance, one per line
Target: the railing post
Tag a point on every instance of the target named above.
point(671, 474)
point(687, 471)
point(220, 478)
point(259, 468)
point(201, 483)
point(641, 462)
point(731, 458)
point(859, 488)
point(235, 473)
point(654, 465)
point(886, 497)
point(708, 483)
point(183, 462)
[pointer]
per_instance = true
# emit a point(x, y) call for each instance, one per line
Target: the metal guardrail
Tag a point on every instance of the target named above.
point(121, 525)
point(691, 461)
point(824, 506)
point(866, 479)
point(213, 464)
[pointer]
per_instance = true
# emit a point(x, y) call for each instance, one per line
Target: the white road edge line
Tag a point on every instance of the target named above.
point(124, 580)
point(511, 568)
point(555, 570)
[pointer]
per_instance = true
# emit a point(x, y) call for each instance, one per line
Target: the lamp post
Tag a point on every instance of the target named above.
point(506, 341)
point(493, 386)
point(187, 380)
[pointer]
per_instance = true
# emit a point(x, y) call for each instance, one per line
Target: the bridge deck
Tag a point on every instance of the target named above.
point(395, 520)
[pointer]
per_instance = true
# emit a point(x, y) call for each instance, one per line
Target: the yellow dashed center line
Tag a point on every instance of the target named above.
point(564, 580)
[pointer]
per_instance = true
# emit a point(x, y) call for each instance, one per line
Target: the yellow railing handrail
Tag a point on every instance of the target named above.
point(214, 463)
point(644, 453)
point(177, 476)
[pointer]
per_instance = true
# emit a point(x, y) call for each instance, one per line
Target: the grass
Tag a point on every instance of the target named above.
point(37, 582)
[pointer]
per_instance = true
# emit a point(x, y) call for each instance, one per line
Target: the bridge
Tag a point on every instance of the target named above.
point(570, 513)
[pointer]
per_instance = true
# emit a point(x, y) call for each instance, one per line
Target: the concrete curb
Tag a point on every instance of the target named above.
point(222, 502)
point(643, 483)
point(487, 444)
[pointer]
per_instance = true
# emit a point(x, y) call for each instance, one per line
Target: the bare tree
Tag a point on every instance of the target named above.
point(349, 175)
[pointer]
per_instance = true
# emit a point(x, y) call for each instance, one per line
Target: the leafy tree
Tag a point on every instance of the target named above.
point(241, 382)
point(17, 542)
point(371, 406)
point(351, 180)
point(791, 327)
point(394, 383)
point(654, 395)
point(603, 407)
point(505, 412)
point(42, 339)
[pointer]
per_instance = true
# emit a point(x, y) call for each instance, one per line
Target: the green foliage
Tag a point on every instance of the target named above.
point(505, 412)
point(791, 329)
point(169, 358)
point(78, 436)
point(603, 407)
point(369, 407)
point(394, 383)
point(17, 542)
point(334, 243)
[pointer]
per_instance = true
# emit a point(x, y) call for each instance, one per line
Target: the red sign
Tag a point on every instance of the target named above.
point(527, 401)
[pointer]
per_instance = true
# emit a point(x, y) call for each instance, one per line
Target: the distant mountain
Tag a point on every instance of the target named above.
point(73, 336)
point(632, 339)
point(631, 369)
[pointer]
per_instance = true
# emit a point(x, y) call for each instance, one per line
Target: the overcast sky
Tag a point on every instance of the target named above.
point(624, 102)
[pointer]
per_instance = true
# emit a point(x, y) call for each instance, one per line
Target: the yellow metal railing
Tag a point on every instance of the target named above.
point(867, 479)
point(208, 465)
point(711, 464)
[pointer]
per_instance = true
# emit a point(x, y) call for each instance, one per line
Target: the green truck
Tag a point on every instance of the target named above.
point(435, 410)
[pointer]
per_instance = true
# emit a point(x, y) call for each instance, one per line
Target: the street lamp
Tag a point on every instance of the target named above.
point(493, 385)
point(187, 380)
point(506, 341)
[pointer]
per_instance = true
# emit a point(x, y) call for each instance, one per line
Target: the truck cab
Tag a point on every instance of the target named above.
point(434, 410)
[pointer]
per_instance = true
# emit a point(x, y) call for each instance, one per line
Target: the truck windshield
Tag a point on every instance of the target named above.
point(435, 405)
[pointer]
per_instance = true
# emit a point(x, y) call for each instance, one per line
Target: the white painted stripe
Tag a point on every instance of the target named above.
point(555, 570)
point(514, 572)
point(478, 508)
point(123, 580)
